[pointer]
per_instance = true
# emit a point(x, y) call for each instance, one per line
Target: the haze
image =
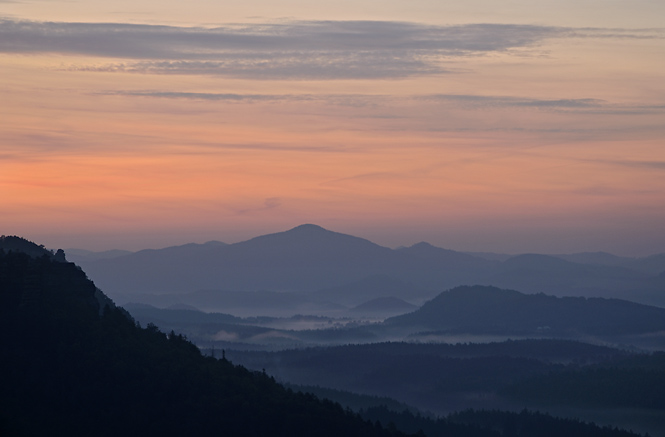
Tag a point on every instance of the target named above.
point(512, 127)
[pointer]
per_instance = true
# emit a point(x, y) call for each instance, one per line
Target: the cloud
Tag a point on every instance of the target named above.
point(503, 101)
point(645, 165)
point(355, 100)
point(272, 202)
point(589, 106)
point(268, 204)
point(294, 50)
point(254, 41)
point(469, 100)
point(230, 97)
point(591, 32)
point(606, 191)
point(585, 105)
point(289, 66)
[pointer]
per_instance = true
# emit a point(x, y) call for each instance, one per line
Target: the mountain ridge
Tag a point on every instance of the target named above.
point(309, 258)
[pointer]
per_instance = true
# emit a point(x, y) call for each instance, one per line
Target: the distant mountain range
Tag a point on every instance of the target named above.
point(347, 270)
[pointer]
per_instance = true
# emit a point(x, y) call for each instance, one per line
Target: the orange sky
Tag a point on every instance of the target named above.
point(525, 129)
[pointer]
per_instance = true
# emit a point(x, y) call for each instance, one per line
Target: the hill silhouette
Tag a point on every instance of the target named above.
point(485, 309)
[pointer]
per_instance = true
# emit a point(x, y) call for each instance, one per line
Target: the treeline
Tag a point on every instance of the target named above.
point(427, 371)
point(636, 382)
point(477, 423)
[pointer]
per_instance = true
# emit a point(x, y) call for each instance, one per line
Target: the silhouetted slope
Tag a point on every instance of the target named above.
point(481, 309)
point(66, 370)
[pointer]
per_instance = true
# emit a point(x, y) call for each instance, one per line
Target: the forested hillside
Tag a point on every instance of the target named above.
point(66, 370)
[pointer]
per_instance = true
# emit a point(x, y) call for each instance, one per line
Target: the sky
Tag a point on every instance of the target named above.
point(515, 126)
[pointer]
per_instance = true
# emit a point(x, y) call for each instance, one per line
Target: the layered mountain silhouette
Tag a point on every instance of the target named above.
point(348, 270)
point(305, 259)
point(75, 364)
point(491, 310)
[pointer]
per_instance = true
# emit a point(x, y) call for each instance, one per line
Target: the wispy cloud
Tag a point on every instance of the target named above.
point(496, 101)
point(268, 204)
point(229, 97)
point(289, 66)
point(616, 33)
point(356, 100)
point(292, 50)
point(645, 165)
point(586, 105)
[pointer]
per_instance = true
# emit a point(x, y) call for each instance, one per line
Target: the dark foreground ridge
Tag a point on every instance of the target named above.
point(66, 370)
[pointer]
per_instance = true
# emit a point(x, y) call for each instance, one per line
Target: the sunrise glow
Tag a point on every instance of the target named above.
point(536, 126)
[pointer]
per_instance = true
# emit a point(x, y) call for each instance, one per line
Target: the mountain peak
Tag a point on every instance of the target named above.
point(308, 227)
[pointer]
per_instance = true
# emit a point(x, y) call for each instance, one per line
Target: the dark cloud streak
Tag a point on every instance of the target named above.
point(503, 101)
point(645, 165)
point(582, 105)
point(294, 50)
point(141, 41)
